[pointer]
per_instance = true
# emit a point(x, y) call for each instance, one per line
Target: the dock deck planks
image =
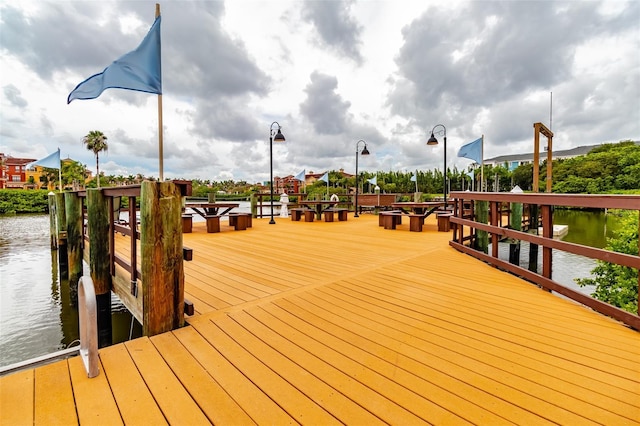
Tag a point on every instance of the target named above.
point(345, 322)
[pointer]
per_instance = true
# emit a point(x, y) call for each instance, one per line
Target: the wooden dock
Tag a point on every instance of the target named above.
point(346, 322)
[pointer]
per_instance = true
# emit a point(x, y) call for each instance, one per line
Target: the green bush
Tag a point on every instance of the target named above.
point(13, 201)
point(615, 284)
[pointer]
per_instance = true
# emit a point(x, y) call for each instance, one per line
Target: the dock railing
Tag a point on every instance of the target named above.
point(469, 225)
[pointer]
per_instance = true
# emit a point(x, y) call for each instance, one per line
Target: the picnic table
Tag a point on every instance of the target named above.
point(417, 213)
point(424, 208)
point(318, 205)
point(211, 209)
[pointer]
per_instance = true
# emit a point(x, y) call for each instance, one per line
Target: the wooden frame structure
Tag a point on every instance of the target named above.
point(537, 129)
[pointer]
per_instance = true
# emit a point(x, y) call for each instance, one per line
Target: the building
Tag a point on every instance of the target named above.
point(513, 161)
point(13, 172)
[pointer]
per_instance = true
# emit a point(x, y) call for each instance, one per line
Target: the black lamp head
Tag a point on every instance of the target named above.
point(279, 136)
point(432, 140)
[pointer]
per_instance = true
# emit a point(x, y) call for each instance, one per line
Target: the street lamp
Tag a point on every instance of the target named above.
point(364, 151)
point(279, 137)
point(433, 141)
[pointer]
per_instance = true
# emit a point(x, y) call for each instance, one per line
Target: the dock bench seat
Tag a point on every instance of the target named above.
point(444, 225)
point(213, 223)
point(390, 219)
point(296, 213)
point(187, 223)
point(341, 212)
point(415, 222)
point(309, 215)
point(240, 221)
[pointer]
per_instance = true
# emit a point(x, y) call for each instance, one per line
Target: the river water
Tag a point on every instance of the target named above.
point(38, 315)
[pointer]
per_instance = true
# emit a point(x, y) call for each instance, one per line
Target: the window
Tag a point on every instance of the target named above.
point(15, 178)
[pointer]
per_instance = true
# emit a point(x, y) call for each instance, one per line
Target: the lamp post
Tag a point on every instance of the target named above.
point(278, 137)
point(364, 151)
point(433, 141)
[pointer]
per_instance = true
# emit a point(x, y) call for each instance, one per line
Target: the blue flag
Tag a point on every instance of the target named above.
point(472, 151)
point(301, 176)
point(373, 180)
point(325, 177)
point(51, 161)
point(413, 178)
point(137, 70)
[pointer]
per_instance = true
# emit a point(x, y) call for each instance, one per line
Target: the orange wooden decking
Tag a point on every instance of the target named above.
point(345, 322)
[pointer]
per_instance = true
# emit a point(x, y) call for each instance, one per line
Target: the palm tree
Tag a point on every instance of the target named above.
point(96, 141)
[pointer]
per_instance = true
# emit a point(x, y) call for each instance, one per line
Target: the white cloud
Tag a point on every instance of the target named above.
point(330, 73)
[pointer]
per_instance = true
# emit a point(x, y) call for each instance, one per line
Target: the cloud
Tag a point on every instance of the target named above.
point(12, 93)
point(323, 107)
point(335, 26)
point(330, 72)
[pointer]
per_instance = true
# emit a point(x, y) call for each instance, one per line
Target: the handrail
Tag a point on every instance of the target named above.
point(88, 318)
point(546, 202)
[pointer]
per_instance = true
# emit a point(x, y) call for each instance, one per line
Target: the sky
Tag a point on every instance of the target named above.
point(329, 73)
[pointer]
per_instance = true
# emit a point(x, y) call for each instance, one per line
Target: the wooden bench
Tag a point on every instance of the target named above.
point(390, 219)
point(296, 213)
point(343, 214)
point(415, 222)
point(213, 223)
point(240, 221)
point(309, 215)
point(444, 224)
point(187, 223)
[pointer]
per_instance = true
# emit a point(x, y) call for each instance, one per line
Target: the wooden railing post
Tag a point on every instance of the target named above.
point(161, 250)
point(73, 211)
point(98, 228)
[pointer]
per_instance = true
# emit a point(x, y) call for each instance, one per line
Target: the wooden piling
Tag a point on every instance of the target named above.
point(515, 220)
point(482, 215)
point(73, 211)
point(533, 228)
point(254, 205)
point(98, 228)
point(161, 249)
point(61, 222)
point(53, 228)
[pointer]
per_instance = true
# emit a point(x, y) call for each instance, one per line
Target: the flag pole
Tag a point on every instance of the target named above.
point(160, 126)
point(482, 165)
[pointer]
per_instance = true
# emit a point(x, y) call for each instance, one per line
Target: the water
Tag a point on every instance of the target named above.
point(38, 316)
point(37, 313)
point(590, 228)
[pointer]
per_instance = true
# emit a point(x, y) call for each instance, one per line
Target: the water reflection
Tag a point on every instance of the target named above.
point(587, 228)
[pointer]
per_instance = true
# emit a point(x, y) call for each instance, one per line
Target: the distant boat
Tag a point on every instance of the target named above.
point(559, 231)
